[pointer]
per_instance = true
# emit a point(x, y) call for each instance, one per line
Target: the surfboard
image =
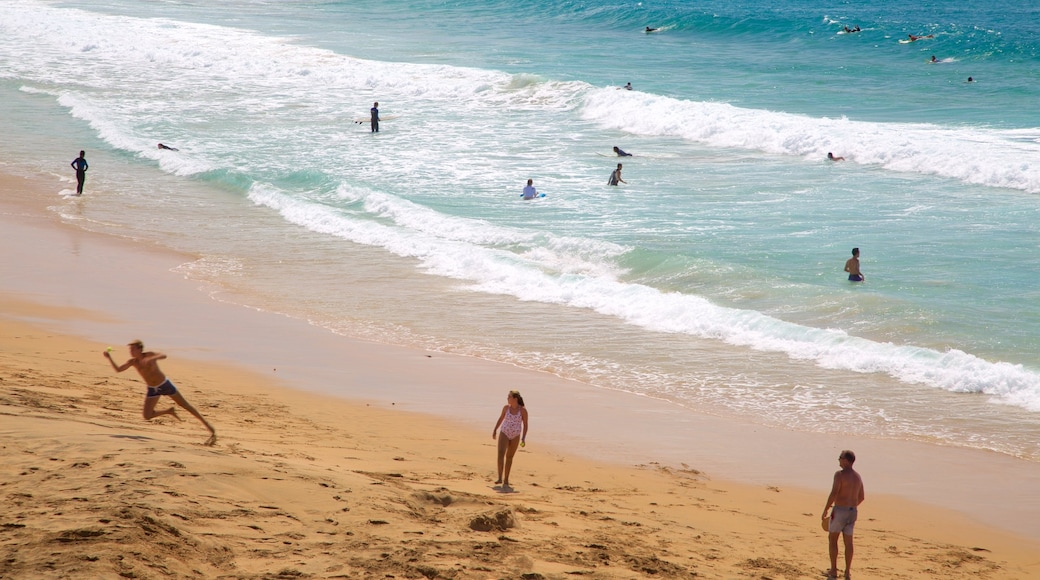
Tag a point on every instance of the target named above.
point(363, 120)
point(535, 197)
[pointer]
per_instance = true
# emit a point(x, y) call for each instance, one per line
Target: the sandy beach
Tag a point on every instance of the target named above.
point(397, 480)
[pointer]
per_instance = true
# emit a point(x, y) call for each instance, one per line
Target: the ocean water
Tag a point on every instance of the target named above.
point(712, 278)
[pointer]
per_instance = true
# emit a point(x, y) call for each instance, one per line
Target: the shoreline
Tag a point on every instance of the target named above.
point(304, 484)
point(579, 419)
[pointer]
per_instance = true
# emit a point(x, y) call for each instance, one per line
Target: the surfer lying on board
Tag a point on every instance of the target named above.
point(621, 153)
point(161, 146)
point(913, 38)
point(831, 157)
point(648, 29)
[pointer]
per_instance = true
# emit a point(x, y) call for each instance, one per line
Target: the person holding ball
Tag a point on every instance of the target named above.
point(513, 434)
point(147, 365)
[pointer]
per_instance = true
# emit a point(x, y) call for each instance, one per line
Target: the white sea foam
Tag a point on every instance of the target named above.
point(454, 248)
point(981, 156)
point(238, 95)
point(228, 64)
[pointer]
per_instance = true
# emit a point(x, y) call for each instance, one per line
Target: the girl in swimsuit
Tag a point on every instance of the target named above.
point(513, 434)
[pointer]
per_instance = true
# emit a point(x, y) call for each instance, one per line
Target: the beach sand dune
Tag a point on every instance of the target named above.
point(304, 486)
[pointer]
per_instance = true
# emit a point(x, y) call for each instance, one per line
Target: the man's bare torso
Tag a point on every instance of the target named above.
point(148, 367)
point(850, 487)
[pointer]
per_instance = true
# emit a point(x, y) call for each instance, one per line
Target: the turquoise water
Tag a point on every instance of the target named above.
point(713, 278)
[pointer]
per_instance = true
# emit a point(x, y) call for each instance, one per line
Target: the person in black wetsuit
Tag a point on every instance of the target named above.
point(80, 165)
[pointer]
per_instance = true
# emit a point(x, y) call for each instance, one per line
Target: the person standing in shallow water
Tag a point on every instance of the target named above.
point(852, 267)
point(147, 365)
point(513, 434)
point(80, 165)
point(615, 176)
point(375, 117)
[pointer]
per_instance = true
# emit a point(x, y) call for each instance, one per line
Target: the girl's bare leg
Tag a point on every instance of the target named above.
point(503, 443)
point(513, 445)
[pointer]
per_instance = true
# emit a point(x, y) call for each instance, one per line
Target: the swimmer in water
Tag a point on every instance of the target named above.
point(852, 267)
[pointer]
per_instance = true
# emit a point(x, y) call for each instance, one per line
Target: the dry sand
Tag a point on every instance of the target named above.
point(305, 486)
point(301, 485)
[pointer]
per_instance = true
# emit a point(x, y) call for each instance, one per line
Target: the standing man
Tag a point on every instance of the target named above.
point(375, 117)
point(852, 267)
point(147, 365)
point(615, 176)
point(80, 165)
point(846, 495)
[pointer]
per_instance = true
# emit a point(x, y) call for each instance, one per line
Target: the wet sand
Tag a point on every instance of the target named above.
point(345, 458)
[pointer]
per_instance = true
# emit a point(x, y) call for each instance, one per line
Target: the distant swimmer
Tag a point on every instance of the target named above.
point(615, 176)
point(970, 80)
point(831, 157)
point(914, 38)
point(851, 30)
point(628, 86)
point(621, 153)
point(934, 60)
point(80, 165)
point(852, 267)
point(375, 117)
point(168, 148)
point(530, 192)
